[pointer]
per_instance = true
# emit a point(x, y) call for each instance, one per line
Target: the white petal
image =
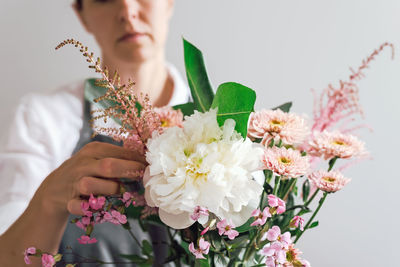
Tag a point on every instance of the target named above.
point(176, 221)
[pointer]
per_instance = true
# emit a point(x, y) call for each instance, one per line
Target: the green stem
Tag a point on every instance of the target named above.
point(289, 186)
point(134, 238)
point(321, 201)
point(277, 180)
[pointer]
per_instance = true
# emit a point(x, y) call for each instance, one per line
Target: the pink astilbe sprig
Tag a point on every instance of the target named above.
point(338, 104)
point(134, 111)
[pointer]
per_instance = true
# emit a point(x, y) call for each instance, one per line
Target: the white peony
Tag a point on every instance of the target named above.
point(203, 165)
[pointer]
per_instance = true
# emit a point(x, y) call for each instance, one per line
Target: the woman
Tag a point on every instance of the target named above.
point(132, 36)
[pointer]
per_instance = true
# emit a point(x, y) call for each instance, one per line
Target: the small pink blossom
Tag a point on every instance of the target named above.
point(278, 205)
point(329, 182)
point(85, 208)
point(336, 144)
point(86, 240)
point(297, 221)
point(115, 217)
point(275, 253)
point(277, 125)
point(28, 252)
point(205, 230)
point(128, 199)
point(227, 229)
point(169, 117)
point(96, 203)
point(260, 217)
point(204, 247)
point(274, 234)
point(286, 162)
point(200, 214)
point(47, 260)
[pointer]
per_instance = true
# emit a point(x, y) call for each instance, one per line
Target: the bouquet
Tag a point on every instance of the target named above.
point(232, 186)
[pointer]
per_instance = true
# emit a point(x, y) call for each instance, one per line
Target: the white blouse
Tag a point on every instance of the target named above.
point(45, 130)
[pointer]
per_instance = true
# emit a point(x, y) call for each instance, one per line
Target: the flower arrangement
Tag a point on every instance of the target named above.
point(231, 185)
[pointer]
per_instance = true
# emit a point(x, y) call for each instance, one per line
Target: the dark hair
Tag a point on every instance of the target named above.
point(79, 4)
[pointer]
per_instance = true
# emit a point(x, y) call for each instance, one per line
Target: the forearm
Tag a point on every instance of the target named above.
point(40, 226)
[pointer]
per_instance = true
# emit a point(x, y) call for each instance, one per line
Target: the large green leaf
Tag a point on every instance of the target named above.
point(199, 84)
point(187, 109)
point(234, 101)
point(284, 107)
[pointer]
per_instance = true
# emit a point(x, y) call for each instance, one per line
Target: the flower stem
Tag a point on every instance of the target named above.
point(321, 201)
point(277, 180)
point(134, 238)
point(289, 186)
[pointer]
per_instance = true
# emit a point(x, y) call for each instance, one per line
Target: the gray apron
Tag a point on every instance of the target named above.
point(113, 240)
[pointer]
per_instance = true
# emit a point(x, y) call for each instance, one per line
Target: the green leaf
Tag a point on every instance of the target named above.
point(196, 73)
point(284, 107)
point(202, 263)
point(306, 190)
point(147, 248)
point(314, 224)
point(134, 258)
point(234, 101)
point(187, 109)
point(246, 226)
point(304, 211)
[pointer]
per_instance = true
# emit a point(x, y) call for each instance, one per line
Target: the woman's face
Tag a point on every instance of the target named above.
point(128, 30)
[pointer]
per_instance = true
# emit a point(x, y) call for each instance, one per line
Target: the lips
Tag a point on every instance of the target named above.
point(131, 37)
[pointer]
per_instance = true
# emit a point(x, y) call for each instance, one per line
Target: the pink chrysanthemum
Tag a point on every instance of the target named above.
point(286, 162)
point(277, 125)
point(336, 144)
point(328, 181)
point(169, 117)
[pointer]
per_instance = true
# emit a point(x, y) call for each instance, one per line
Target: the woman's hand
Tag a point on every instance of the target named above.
point(93, 170)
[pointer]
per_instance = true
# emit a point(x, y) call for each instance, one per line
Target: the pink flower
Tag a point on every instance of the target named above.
point(296, 222)
point(115, 217)
point(86, 240)
point(277, 125)
point(278, 205)
point(96, 203)
point(169, 117)
point(85, 208)
point(204, 247)
point(286, 162)
point(336, 144)
point(328, 181)
point(128, 199)
point(47, 260)
point(200, 214)
point(275, 253)
point(260, 217)
point(225, 229)
point(274, 234)
point(29, 251)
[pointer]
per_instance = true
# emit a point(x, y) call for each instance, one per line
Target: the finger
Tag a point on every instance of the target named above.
point(74, 206)
point(97, 186)
point(100, 150)
point(113, 168)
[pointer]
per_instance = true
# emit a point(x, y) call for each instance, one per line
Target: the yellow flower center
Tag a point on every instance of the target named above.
point(164, 123)
point(329, 179)
point(193, 170)
point(276, 122)
point(285, 160)
point(339, 143)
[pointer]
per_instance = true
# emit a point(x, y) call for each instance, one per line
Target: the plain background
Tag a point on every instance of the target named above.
point(279, 48)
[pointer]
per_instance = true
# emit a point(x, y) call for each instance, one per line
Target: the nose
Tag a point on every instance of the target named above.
point(128, 10)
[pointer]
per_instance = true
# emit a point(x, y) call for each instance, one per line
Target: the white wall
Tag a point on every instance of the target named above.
point(279, 48)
